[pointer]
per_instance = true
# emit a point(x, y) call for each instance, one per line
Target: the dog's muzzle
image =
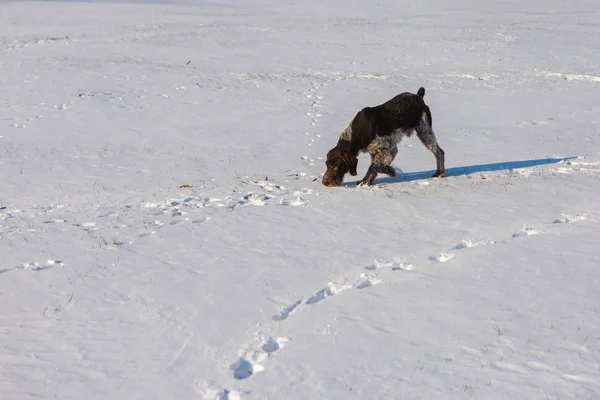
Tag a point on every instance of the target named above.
point(329, 179)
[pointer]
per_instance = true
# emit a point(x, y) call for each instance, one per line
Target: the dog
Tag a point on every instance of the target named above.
point(377, 131)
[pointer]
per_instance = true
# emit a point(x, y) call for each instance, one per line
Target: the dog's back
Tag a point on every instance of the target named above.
point(402, 111)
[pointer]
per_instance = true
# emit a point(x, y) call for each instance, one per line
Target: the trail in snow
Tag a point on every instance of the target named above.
point(256, 358)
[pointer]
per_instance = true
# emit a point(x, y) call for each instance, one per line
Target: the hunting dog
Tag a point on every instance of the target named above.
point(377, 131)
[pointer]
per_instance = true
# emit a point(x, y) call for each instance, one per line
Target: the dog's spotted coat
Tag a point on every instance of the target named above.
point(377, 131)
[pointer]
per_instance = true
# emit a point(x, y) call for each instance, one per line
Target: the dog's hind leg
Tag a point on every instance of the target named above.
point(427, 137)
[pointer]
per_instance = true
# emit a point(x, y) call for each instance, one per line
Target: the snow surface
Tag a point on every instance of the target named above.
point(164, 233)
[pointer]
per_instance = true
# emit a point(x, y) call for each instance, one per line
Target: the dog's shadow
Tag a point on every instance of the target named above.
point(458, 171)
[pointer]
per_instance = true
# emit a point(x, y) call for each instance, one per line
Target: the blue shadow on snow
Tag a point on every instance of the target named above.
point(458, 171)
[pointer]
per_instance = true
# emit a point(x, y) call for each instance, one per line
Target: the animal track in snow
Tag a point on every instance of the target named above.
point(49, 264)
point(526, 232)
point(325, 293)
point(243, 369)
point(287, 311)
point(570, 219)
point(396, 265)
point(312, 113)
point(403, 267)
point(442, 257)
point(581, 163)
point(271, 345)
point(363, 280)
point(251, 361)
point(377, 265)
point(275, 193)
point(35, 266)
point(368, 282)
point(576, 165)
point(466, 244)
point(194, 209)
point(311, 160)
point(227, 394)
point(253, 200)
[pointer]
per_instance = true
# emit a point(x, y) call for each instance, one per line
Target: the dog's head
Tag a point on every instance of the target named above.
point(339, 163)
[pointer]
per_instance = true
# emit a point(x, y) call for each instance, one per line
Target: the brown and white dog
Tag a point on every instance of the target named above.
point(377, 131)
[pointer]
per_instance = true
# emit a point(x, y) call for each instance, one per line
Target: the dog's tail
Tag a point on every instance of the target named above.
point(421, 92)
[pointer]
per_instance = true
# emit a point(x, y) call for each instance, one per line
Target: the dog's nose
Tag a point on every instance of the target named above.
point(327, 182)
point(326, 178)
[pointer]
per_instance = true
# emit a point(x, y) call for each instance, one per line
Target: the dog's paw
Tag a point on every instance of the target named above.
point(363, 183)
point(390, 171)
point(439, 174)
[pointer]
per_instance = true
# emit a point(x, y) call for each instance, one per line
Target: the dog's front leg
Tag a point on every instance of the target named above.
point(388, 169)
point(378, 165)
point(369, 176)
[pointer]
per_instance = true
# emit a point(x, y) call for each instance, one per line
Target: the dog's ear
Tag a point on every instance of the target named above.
point(352, 163)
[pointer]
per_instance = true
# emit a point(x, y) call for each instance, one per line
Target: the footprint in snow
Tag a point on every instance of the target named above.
point(372, 281)
point(294, 203)
point(442, 257)
point(570, 219)
point(272, 345)
point(286, 312)
point(247, 366)
point(378, 264)
point(526, 232)
point(324, 293)
point(467, 244)
point(403, 267)
point(320, 295)
point(229, 395)
point(396, 265)
point(253, 200)
point(364, 281)
point(35, 266)
point(242, 369)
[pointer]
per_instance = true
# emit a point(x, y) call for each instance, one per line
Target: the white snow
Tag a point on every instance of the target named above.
point(164, 233)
